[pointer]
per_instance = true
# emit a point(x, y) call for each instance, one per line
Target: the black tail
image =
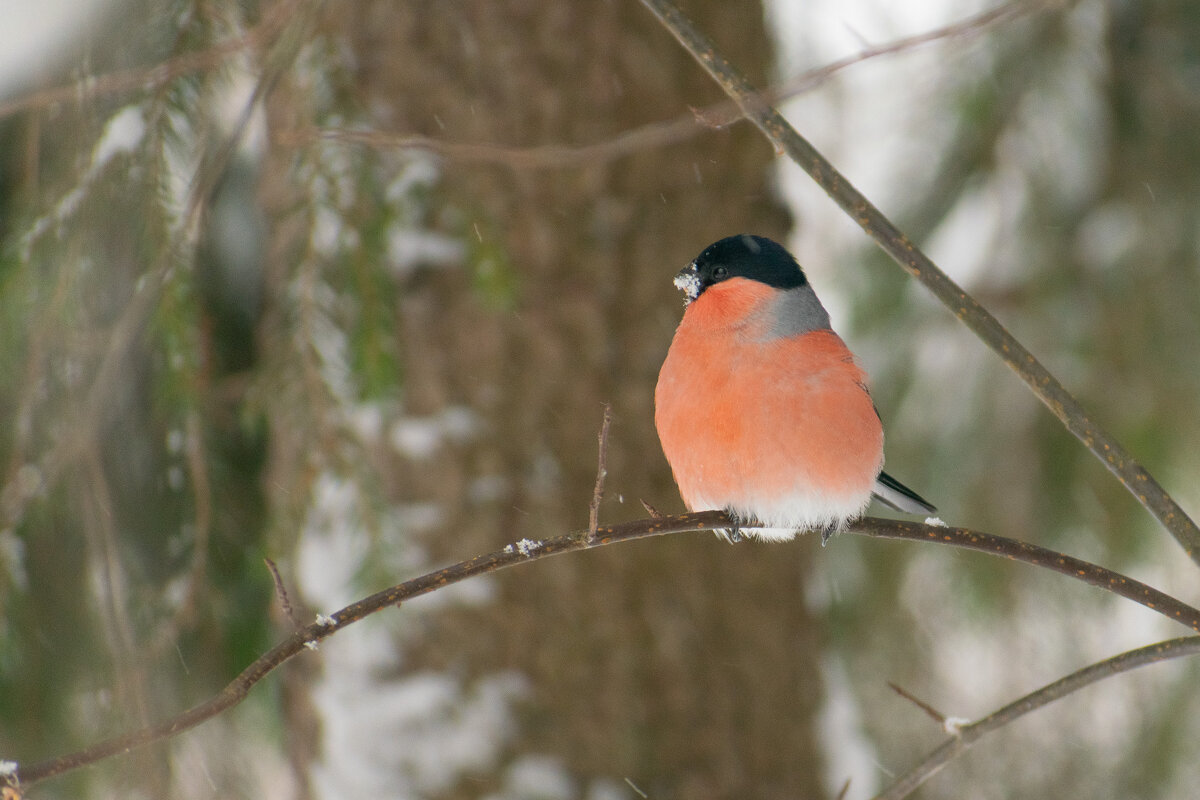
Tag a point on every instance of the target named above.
point(895, 494)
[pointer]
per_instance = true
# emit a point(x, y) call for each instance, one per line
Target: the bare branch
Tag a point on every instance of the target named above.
point(929, 710)
point(651, 510)
point(1132, 475)
point(977, 23)
point(281, 592)
point(1016, 550)
point(656, 134)
point(967, 735)
point(527, 550)
point(601, 472)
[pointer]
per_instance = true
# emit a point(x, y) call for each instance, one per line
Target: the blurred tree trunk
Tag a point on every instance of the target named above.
point(685, 665)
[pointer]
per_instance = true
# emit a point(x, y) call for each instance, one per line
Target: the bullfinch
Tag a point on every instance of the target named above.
point(761, 408)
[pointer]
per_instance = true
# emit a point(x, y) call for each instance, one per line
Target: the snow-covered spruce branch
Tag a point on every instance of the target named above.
point(757, 108)
point(527, 550)
point(155, 282)
point(155, 76)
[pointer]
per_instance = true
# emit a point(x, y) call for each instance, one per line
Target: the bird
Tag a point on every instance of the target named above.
point(761, 409)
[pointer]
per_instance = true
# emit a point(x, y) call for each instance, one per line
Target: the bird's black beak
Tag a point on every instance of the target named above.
point(688, 281)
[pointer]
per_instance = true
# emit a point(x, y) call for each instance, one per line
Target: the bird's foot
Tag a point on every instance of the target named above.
point(733, 534)
point(827, 533)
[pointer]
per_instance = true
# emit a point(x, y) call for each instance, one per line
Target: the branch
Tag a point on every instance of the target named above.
point(601, 472)
point(967, 735)
point(155, 76)
point(1052, 560)
point(1132, 475)
point(652, 135)
point(526, 550)
point(310, 635)
point(930, 711)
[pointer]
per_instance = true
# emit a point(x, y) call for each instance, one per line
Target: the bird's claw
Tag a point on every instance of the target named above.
point(732, 534)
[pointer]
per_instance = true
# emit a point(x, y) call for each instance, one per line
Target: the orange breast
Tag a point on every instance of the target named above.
point(744, 421)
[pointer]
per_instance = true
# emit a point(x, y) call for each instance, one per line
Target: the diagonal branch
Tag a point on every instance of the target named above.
point(526, 550)
point(967, 735)
point(1132, 475)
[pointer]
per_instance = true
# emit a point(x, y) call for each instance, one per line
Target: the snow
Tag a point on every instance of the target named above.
point(954, 725)
point(848, 751)
point(689, 283)
point(419, 173)
point(421, 437)
point(34, 35)
point(488, 488)
point(333, 546)
point(409, 737)
point(12, 558)
point(123, 133)
point(1108, 236)
point(418, 517)
point(606, 789)
point(410, 248)
point(527, 546)
point(366, 420)
point(326, 232)
point(233, 101)
point(387, 733)
point(538, 777)
point(418, 438)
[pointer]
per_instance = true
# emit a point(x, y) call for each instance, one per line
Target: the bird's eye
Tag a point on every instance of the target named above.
point(720, 273)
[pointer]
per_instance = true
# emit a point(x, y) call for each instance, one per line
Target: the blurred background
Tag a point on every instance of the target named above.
point(346, 285)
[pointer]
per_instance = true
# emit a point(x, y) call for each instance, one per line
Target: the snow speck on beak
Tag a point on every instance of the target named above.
point(688, 282)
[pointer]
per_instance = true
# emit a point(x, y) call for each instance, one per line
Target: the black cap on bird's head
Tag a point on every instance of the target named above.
point(743, 256)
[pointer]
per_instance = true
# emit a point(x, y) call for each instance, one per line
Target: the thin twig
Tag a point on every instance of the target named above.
point(281, 592)
point(651, 510)
point(637, 789)
point(601, 472)
point(929, 710)
point(1005, 12)
point(967, 735)
point(1132, 475)
point(527, 550)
